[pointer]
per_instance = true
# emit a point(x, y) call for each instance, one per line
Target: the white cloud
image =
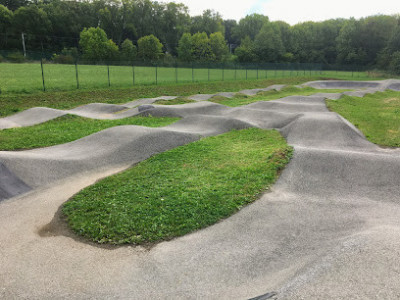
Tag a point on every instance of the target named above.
point(228, 9)
point(295, 11)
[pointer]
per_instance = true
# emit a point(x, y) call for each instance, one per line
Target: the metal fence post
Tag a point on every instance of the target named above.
point(41, 66)
point(246, 72)
point(133, 74)
point(108, 73)
point(257, 71)
point(176, 72)
point(235, 70)
point(223, 72)
point(76, 74)
point(156, 74)
point(208, 73)
point(192, 73)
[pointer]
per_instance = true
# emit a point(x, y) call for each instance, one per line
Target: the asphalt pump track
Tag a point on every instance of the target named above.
point(328, 229)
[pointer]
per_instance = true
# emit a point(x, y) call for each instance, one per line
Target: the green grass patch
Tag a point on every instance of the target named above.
point(241, 99)
point(181, 190)
point(176, 101)
point(376, 115)
point(66, 129)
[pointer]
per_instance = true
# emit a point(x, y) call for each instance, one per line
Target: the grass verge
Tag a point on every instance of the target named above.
point(181, 190)
point(376, 115)
point(242, 99)
point(66, 129)
point(12, 103)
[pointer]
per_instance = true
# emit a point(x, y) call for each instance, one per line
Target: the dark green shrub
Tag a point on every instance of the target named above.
point(67, 56)
point(63, 59)
point(16, 57)
point(395, 63)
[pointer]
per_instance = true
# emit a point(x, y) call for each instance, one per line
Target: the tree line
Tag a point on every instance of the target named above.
point(149, 30)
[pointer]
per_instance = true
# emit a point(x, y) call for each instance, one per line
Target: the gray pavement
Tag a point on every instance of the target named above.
point(328, 229)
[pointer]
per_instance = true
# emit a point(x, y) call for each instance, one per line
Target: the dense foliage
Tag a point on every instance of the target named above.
point(58, 24)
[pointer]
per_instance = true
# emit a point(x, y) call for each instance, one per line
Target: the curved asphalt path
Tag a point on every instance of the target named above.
point(328, 229)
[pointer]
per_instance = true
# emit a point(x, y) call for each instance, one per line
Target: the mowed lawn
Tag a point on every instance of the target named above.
point(67, 129)
point(180, 190)
point(27, 77)
point(376, 115)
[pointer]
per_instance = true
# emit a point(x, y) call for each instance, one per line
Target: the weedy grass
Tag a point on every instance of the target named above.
point(181, 190)
point(66, 129)
point(176, 101)
point(376, 115)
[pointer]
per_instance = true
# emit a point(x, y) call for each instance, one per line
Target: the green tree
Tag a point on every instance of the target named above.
point(31, 19)
point(246, 51)
point(175, 21)
point(149, 48)
point(306, 42)
point(185, 48)
point(67, 19)
point(375, 34)
point(6, 16)
point(394, 41)
point(202, 48)
point(116, 18)
point(361, 41)
point(13, 4)
point(268, 43)
point(285, 33)
point(128, 51)
point(96, 46)
point(230, 26)
point(209, 22)
point(218, 46)
point(393, 45)
point(348, 42)
point(249, 26)
point(395, 63)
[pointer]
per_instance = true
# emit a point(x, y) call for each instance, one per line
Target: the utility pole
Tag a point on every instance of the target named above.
point(23, 44)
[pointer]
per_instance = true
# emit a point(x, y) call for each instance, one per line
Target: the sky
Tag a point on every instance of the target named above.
point(295, 11)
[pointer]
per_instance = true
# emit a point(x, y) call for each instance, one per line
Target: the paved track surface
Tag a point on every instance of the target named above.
point(328, 229)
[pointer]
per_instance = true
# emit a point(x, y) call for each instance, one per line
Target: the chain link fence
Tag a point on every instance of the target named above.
point(47, 71)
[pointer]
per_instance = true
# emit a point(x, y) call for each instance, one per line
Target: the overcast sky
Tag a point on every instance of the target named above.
point(294, 11)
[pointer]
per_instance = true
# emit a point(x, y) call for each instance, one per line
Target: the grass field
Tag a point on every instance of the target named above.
point(376, 115)
point(66, 129)
point(27, 77)
point(181, 190)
